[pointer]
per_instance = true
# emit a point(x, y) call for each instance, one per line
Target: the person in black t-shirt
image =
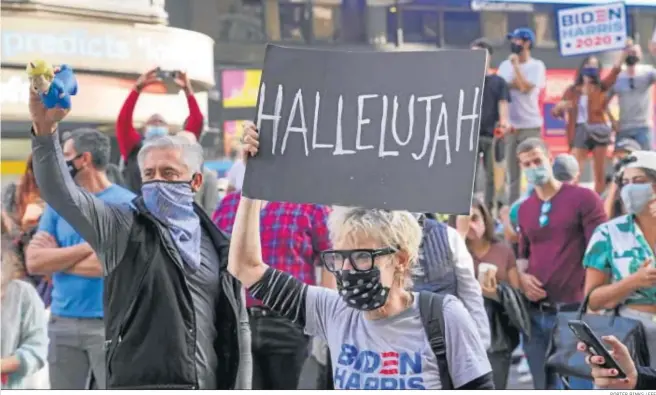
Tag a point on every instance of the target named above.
point(494, 115)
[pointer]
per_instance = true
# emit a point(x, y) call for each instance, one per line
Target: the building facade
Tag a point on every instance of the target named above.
point(241, 28)
point(108, 43)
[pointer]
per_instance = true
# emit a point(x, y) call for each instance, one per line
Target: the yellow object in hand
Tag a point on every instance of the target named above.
point(40, 68)
point(41, 74)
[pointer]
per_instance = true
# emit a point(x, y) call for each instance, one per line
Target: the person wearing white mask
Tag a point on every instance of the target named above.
point(130, 139)
point(619, 261)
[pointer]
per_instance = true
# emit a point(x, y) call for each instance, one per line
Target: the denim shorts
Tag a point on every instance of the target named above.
point(591, 136)
point(642, 135)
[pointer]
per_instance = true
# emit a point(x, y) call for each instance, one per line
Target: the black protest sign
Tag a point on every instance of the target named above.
point(388, 130)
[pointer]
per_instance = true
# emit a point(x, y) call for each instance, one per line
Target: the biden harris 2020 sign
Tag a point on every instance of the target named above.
point(592, 29)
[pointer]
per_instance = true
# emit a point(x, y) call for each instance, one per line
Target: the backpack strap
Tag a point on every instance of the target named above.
point(432, 317)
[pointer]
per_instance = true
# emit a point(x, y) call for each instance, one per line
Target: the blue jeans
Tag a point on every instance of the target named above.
point(535, 348)
point(642, 136)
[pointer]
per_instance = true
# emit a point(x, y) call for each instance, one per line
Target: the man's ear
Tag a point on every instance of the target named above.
point(196, 182)
point(88, 160)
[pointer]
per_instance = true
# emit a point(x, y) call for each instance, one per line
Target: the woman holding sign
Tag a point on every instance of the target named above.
point(374, 327)
point(584, 105)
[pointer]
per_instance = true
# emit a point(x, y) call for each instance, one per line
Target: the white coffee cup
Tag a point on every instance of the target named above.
point(483, 268)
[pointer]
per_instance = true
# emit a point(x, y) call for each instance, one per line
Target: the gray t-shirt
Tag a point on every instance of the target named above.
point(634, 97)
point(393, 353)
point(204, 286)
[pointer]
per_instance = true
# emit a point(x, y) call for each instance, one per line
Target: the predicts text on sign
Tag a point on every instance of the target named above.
point(371, 129)
point(599, 28)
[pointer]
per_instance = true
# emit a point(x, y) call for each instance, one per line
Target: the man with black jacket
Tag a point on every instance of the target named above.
point(174, 317)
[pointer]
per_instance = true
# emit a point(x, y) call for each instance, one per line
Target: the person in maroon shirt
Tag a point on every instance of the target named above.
point(129, 139)
point(555, 224)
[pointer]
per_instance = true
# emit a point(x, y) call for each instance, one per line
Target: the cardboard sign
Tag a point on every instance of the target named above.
point(592, 29)
point(387, 130)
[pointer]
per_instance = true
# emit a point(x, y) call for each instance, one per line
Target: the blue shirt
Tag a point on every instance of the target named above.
point(72, 295)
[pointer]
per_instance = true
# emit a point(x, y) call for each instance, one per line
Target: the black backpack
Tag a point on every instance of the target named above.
point(432, 317)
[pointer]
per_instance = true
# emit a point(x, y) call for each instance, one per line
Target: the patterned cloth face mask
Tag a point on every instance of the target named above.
point(362, 290)
point(172, 202)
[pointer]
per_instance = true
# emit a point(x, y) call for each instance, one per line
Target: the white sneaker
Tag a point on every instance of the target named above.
point(518, 352)
point(522, 367)
point(525, 378)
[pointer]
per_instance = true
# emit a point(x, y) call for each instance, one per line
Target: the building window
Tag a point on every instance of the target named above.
point(326, 22)
point(419, 26)
point(294, 21)
point(461, 28)
point(495, 26)
point(544, 30)
point(241, 21)
point(518, 19)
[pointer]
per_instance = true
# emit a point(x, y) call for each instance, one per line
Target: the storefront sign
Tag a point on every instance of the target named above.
point(239, 88)
point(131, 7)
point(130, 49)
point(99, 99)
point(591, 29)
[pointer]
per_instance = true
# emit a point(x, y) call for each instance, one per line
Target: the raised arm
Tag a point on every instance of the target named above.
point(194, 122)
point(105, 227)
point(127, 136)
point(608, 81)
point(279, 291)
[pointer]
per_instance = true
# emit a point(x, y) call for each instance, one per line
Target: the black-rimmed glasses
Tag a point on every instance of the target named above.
point(361, 260)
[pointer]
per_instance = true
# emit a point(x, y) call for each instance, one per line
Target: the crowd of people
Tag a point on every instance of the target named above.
point(141, 277)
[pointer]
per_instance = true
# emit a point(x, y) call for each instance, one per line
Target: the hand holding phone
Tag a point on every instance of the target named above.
point(595, 347)
point(166, 74)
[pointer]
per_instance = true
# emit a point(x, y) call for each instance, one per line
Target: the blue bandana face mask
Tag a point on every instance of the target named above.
point(635, 197)
point(155, 131)
point(537, 175)
point(172, 202)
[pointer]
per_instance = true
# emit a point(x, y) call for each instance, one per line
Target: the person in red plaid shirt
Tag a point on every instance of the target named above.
point(292, 235)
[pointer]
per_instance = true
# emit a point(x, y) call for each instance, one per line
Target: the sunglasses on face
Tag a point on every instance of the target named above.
point(545, 209)
point(361, 260)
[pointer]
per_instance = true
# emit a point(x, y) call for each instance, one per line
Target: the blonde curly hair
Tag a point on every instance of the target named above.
point(398, 229)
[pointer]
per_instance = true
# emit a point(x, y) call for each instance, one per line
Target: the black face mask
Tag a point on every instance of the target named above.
point(71, 167)
point(632, 60)
point(516, 48)
point(362, 290)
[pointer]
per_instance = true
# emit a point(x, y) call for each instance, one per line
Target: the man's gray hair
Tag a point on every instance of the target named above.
point(530, 144)
point(92, 141)
point(192, 154)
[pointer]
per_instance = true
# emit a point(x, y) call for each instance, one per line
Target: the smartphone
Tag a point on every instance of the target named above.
point(595, 346)
point(166, 74)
